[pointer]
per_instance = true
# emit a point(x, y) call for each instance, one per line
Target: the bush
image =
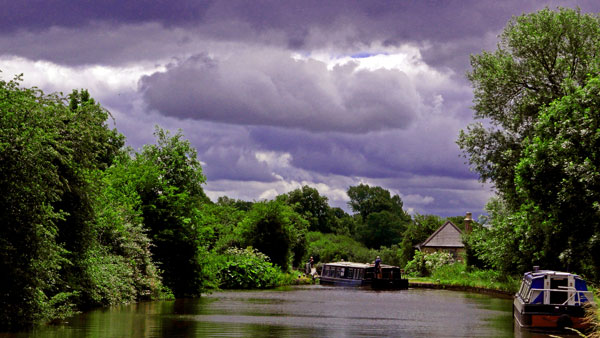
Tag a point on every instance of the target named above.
point(425, 264)
point(247, 269)
point(391, 255)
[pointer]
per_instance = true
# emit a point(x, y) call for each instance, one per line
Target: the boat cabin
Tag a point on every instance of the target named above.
point(551, 299)
point(359, 274)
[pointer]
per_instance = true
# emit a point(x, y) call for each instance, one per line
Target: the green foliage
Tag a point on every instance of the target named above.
point(417, 232)
point(540, 147)
point(168, 178)
point(247, 269)
point(425, 264)
point(383, 219)
point(344, 224)
point(459, 274)
point(233, 203)
point(313, 207)
point(48, 149)
point(276, 230)
point(391, 255)
point(122, 243)
point(366, 200)
point(383, 228)
point(226, 219)
point(331, 248)
point(559, 174)
point(536, 54)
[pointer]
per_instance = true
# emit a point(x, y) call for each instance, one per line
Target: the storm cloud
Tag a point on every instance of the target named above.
point(266, 87)
point(279, 94)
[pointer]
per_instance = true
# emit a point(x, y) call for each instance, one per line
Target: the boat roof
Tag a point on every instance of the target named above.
point(542, 273)
point(358, 265)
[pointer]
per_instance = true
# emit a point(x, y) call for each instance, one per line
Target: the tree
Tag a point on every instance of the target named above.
point(30, 256)
point(313, 207)
point(535, 90)
point(276, 230)
point(50, 151)
point(535, 55)
point(366, 200)
point(417, 231)
point(237, 204)
point(559, 174)
point(383, 229)
point(169, 182)
point(383, 219)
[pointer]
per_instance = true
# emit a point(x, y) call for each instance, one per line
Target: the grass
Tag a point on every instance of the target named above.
point(458, 275)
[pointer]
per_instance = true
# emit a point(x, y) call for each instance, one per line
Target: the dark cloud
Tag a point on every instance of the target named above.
point(267, 87)
point(36, 15)
point(109, 32)
point(264, 123)
point(426, 150)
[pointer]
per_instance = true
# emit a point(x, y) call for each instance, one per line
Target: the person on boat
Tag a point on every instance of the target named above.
point(377, 267)
point(311, 261)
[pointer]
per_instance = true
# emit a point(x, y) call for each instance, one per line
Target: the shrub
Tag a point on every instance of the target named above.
point(247, 269)
point(425, 264)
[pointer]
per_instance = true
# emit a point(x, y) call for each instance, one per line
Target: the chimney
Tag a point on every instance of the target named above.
point(468, 221)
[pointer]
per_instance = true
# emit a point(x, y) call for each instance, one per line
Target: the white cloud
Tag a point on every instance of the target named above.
point(103, 82)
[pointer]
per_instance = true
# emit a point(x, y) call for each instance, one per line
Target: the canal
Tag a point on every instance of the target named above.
point(303, 311)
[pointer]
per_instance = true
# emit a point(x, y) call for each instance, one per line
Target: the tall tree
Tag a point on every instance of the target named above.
point(169, 182)
point(559, 176)
point(313, 207)
point(365, 200)
point(533, 90)
point(535, 55)
point(383, 219)
point(276, 230)
point(50, 149)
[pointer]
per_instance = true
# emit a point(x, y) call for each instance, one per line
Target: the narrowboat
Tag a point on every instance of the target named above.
point(551, 300)
point(363, 274)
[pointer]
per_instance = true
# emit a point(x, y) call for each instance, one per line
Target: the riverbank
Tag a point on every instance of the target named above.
point(456, 278)
point(459, 277)
point(436, 284)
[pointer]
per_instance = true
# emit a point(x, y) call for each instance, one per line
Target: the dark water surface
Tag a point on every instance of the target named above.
point(306, 311)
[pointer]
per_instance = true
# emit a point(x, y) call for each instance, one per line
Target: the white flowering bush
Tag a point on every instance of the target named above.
point(424, 264)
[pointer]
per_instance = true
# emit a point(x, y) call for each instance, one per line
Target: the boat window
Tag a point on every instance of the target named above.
point(350, 272)
point(560, 296)
point(525, 287)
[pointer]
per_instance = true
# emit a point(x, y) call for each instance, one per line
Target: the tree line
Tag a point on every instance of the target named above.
point(538, 98)
point(89, 222)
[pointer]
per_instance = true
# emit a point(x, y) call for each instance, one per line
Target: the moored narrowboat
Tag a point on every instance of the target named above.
point(551, 300)
point(362, 274)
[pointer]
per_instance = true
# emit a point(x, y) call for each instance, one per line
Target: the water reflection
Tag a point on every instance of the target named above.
point(301, 312)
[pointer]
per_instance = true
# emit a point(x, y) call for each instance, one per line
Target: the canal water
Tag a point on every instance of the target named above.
point(303, 311)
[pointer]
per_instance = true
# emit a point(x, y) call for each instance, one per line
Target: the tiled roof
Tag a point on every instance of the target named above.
point(448, 236)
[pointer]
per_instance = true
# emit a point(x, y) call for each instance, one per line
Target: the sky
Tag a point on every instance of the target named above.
point(275, 95)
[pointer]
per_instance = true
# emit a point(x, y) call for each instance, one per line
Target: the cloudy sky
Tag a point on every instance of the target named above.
point(275, 95)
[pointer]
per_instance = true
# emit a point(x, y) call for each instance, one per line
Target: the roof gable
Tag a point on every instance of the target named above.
point(448, 235)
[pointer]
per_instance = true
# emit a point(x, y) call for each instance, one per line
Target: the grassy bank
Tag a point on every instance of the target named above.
point(457, 275)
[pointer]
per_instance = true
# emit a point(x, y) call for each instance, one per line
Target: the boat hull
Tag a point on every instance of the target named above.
point(342, 281)
point(548, 316)
point(387, 284)
point(377, 284)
